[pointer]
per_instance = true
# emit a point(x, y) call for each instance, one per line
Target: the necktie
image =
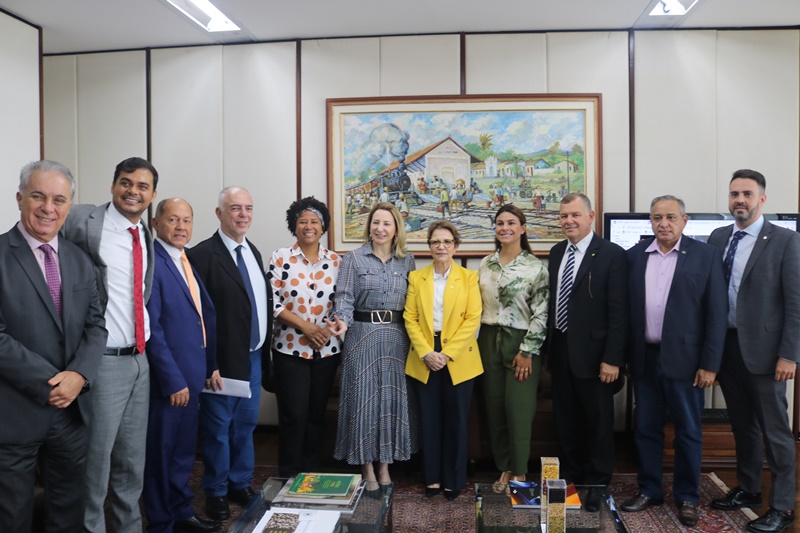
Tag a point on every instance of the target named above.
point(254, 333)
point(51, 276)
point(138, 296)
point(565, 290)
point(192, 283)
point(727, 265)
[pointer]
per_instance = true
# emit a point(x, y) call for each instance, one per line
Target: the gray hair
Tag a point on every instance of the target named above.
point(45, 165)
point(571, 197)
point(669, 198)
point(224, 192)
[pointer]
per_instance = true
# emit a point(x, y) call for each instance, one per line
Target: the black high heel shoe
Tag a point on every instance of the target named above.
point(430, 492)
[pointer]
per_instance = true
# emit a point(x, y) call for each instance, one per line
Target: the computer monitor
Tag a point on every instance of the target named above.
point(626, 229)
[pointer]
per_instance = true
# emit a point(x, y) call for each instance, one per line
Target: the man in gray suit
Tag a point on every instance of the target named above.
point(762, 349)
point(121, 247)
point(51, 341)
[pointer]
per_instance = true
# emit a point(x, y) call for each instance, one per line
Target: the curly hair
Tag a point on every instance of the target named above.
point(309, 203)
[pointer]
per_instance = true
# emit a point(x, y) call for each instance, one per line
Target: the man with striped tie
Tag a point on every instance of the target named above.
point(587, 334)
point(678, 320)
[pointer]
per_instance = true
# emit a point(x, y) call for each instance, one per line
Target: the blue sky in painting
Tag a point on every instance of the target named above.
point(522, 131)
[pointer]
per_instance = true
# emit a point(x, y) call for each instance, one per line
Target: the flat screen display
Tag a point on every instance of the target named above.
point(626, 229)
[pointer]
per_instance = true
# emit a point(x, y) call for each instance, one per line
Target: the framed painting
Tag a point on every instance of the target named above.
point(461, 158)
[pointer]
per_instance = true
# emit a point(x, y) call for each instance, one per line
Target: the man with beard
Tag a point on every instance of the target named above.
point(122, 250)
point(762, 349)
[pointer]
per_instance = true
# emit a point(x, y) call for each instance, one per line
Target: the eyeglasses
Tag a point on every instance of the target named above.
point(447, 243)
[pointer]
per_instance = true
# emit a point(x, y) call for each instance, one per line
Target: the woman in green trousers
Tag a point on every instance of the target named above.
point(514, 291)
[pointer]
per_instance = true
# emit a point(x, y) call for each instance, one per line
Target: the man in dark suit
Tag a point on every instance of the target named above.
point(678, 320)
point(52, 337)
point(120, 244)
point(181, 354)
point(587, 337)
point(233, 272)
point(762, 349)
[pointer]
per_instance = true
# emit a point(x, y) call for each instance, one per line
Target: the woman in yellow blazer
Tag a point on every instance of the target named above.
point(442, 315)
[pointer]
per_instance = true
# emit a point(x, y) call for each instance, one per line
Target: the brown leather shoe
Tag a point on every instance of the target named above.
point(687, 514)
point(736, 499)
point(640, 502)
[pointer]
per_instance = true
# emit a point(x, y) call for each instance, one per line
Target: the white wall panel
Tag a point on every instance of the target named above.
point(597, 62)
point(19, 109)
point(503, 64)
point(60, 85)
point(757, 112)
point(259, 142)
point(186, 125)
point(112, 118)
point(420, 65)
point(331, 69)
point(676, 141)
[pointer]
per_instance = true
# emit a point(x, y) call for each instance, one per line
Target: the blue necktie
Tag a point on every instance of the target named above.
point(727, 265)
point(254, 333)
point(565, 290)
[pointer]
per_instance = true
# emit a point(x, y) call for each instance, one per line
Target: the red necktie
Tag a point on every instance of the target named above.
point(138, 296)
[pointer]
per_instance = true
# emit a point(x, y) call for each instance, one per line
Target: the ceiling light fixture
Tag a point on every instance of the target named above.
point(672, 7)
point(205, 14)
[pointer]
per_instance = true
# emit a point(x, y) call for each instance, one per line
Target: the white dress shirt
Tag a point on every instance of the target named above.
point(175, 255)
point(116, 245)
point(256, 280)
point(439, 285)
point(582, 245)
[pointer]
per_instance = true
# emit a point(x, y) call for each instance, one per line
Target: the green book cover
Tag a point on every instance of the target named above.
point(321, 484)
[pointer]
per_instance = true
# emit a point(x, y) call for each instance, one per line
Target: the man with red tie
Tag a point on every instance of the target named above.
point(181, 352)
point(122, 250)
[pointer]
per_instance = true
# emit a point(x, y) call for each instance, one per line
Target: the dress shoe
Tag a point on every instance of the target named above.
point(242, 496)
point(640, 502)
point(594, 499)
point(772, 522)
point(736, 499)
point(197, 525)
point(687, 514)
point(451, 494)
point(430, 492)
point(217, 508)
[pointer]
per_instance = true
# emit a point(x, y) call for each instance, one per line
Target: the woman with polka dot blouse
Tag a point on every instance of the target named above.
point(305, 354)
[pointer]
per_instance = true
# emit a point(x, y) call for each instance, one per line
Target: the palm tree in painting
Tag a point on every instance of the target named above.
point(485, 140)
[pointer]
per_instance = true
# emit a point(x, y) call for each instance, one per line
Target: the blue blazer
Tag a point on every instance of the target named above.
point(175, 348)
point(695, 319)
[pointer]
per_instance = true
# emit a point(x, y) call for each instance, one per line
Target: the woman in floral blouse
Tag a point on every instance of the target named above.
point(514, 291)
point(303, 279)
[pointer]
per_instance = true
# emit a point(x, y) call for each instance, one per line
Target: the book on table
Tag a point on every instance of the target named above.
point(331, 498)
point(528, 495)
point(297, 521)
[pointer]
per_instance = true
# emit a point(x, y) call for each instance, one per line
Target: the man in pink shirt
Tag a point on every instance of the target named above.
point(678, 322)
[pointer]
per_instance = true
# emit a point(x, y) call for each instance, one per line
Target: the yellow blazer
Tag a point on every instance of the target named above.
point(460, 322)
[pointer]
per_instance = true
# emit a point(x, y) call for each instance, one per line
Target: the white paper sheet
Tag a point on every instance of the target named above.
point(232, 387)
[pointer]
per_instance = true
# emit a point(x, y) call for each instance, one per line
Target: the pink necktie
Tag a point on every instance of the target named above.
point(51, 276)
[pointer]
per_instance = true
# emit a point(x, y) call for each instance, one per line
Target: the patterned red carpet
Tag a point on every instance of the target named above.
point(415, 513)
point(664, 518)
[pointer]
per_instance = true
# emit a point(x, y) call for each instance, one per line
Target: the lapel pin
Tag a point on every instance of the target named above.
point(765, 237)
point(683, 252)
